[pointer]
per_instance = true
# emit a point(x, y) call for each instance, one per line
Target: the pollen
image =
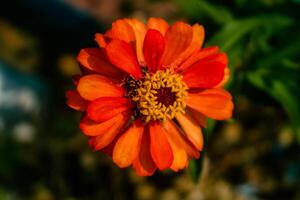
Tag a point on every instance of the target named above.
point(160, 96)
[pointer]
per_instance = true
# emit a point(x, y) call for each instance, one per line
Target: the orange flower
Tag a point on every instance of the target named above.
point(146, 93)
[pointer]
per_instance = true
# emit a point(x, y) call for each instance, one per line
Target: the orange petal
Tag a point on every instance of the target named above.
point(154, 45)
point(160, 148)
point(143, 164)
point(105, 108)
point(104, 139)
point(179, 138)
point(196, 43)
point(75, 101)
point(101, 40)
point(158, 24)
point(219, 57)
point(180, 157)
point(191, 129)
point(204, 74)
point(122, 30)
point(225, 79)
point(108, 33)
point(214, 103)
point(139, 30)
point(94, 86)
point(196, 56)
point(95, 60)
point(128, 146)
point(122, 55)
point(178, 38)
point(92, 128)
point(108, 150)
point(198, 117)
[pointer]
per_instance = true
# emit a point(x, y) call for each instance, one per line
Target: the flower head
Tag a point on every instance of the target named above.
point(146, 92)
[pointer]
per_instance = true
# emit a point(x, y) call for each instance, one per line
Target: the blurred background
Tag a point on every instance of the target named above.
point(254, 156)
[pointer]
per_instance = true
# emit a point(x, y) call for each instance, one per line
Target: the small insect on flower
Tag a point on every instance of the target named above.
point(146, 91)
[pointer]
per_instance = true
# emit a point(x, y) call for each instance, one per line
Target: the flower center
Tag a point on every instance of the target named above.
point(159, 96)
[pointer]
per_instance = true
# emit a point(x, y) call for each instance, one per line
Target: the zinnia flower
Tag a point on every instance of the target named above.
point(146, 91)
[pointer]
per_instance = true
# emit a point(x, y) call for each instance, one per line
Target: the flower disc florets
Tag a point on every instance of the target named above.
point(160, 96)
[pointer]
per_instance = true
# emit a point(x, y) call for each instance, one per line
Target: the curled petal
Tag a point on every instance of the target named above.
point(160, 148)
point(196, 56)
point(75, 101)
point(178, 38)
point(195, 44)
point(191, 129)
point(122, 30)
point(122, 55)
point(91, 87)
point(144, 164)
point(197, 116)
point(95, 60)
point(128, 145)
point(175, 133)
point(225, 78)
point(105, 108)
point(102, 40)
point(214, 103)
point(92, 128)
point(180, 157)
point(204, 74)
point(154, 45)
point(108, 149)
point(106, 139)
point(158, 24)
point(139, 30)
point(218, 57)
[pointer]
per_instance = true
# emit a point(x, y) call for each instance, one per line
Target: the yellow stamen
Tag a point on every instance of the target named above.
point(160, 96)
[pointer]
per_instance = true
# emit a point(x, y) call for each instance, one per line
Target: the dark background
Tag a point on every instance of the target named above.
point(254, 156)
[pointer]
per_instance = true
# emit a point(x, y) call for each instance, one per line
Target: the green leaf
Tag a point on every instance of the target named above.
point(278, 75)
point(281, 84)
point(197, 8)
point(195, 168)
point(233, 32)
point(291, 51)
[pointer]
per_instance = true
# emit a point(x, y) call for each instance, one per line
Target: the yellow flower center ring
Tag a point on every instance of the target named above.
point(160, 96)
